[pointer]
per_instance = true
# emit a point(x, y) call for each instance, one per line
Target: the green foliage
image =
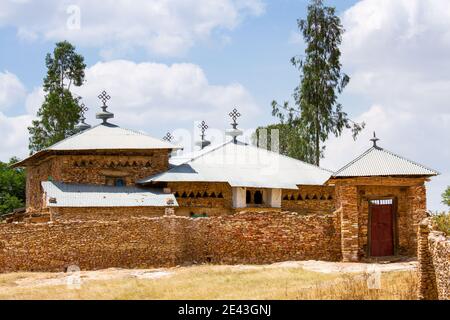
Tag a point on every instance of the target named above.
point(317, 110)
point(446, 197)
point(12, 187)
point(289, 142)
point(60, 111)
point(441, 222)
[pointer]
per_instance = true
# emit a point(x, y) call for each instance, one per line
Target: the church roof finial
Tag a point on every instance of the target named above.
point(235, 132)
point(82, 125)
point(375, 140)
point(168, 137)
point(203, 143)
point(104, 114)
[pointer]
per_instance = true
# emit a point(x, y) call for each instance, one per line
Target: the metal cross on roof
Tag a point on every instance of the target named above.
point(203, 127)
point(104, 97)
point(168, 137)
point(374, 140)
point(234, 115)
point(82, 125)
point(104, 115)
point(83, 110)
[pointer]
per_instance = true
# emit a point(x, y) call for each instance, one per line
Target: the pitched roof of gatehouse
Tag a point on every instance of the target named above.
point(377, 161)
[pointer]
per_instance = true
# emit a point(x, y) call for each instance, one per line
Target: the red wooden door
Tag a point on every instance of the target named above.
point(382, 230)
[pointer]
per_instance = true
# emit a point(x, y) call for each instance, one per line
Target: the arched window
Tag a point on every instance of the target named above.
point(258, 197)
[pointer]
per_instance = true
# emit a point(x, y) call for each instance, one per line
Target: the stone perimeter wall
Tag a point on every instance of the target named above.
point(145, 242)
point(434, 263)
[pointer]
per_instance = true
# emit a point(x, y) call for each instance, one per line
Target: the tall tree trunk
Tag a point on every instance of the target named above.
point(317, 139)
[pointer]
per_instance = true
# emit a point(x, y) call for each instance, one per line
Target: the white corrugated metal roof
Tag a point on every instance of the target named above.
point(242, 165)
point(108, 137)
point(380, 162)
point(83, 195)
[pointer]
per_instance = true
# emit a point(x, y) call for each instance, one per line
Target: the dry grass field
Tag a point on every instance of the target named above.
point(288, 281)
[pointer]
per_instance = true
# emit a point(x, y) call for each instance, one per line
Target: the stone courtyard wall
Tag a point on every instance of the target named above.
point(434, 263)
point(146, 242)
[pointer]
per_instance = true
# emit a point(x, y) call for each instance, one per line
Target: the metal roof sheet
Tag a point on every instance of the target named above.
point(377, 161)
point(242, 165)
point(108, 137)
point(83, 195)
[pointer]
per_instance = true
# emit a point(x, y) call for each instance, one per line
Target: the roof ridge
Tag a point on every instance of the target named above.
point(410, 161)
point(376, 148)
point(205, 153)
point(355, 160)
point(68, 138)
point(291, 158)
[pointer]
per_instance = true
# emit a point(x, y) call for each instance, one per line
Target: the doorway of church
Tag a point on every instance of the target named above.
point(382, 222)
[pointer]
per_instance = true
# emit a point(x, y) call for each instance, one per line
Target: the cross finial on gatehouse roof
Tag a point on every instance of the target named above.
point(375, 140)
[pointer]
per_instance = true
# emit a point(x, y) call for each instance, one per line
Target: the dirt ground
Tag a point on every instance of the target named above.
point(54, 279)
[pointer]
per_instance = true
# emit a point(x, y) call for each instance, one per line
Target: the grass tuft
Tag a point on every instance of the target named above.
point(221, 282)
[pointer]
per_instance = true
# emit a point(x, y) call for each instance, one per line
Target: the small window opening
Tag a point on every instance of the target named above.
point(119, 182)
point(248, 197)
point(258, 197)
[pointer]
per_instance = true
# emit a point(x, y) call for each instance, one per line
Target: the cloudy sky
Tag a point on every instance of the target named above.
point(167, 64)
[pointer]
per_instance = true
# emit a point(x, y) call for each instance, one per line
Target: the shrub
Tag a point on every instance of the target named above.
point(441, 222)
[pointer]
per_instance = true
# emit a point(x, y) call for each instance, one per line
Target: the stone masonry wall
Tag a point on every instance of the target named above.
point(215, 199)
point(103, 214)
point(168, 241)
point(309, 199)
point(352, 199)
point(434, 263)
point(92, 169)
point(199, 198)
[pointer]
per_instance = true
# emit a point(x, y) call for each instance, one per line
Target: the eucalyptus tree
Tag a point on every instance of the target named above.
point(60, 111)
point(317, 112)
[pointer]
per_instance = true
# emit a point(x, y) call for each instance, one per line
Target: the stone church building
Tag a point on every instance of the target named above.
point(106, 172)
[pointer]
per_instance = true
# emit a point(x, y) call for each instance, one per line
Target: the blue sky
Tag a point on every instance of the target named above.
point(168, 64)
point(257, 56)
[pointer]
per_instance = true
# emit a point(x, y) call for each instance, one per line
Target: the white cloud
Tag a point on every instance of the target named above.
point(397, 53)
point(14, 133)
point(119, 26)
point(12, 90)
point(151, 97)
